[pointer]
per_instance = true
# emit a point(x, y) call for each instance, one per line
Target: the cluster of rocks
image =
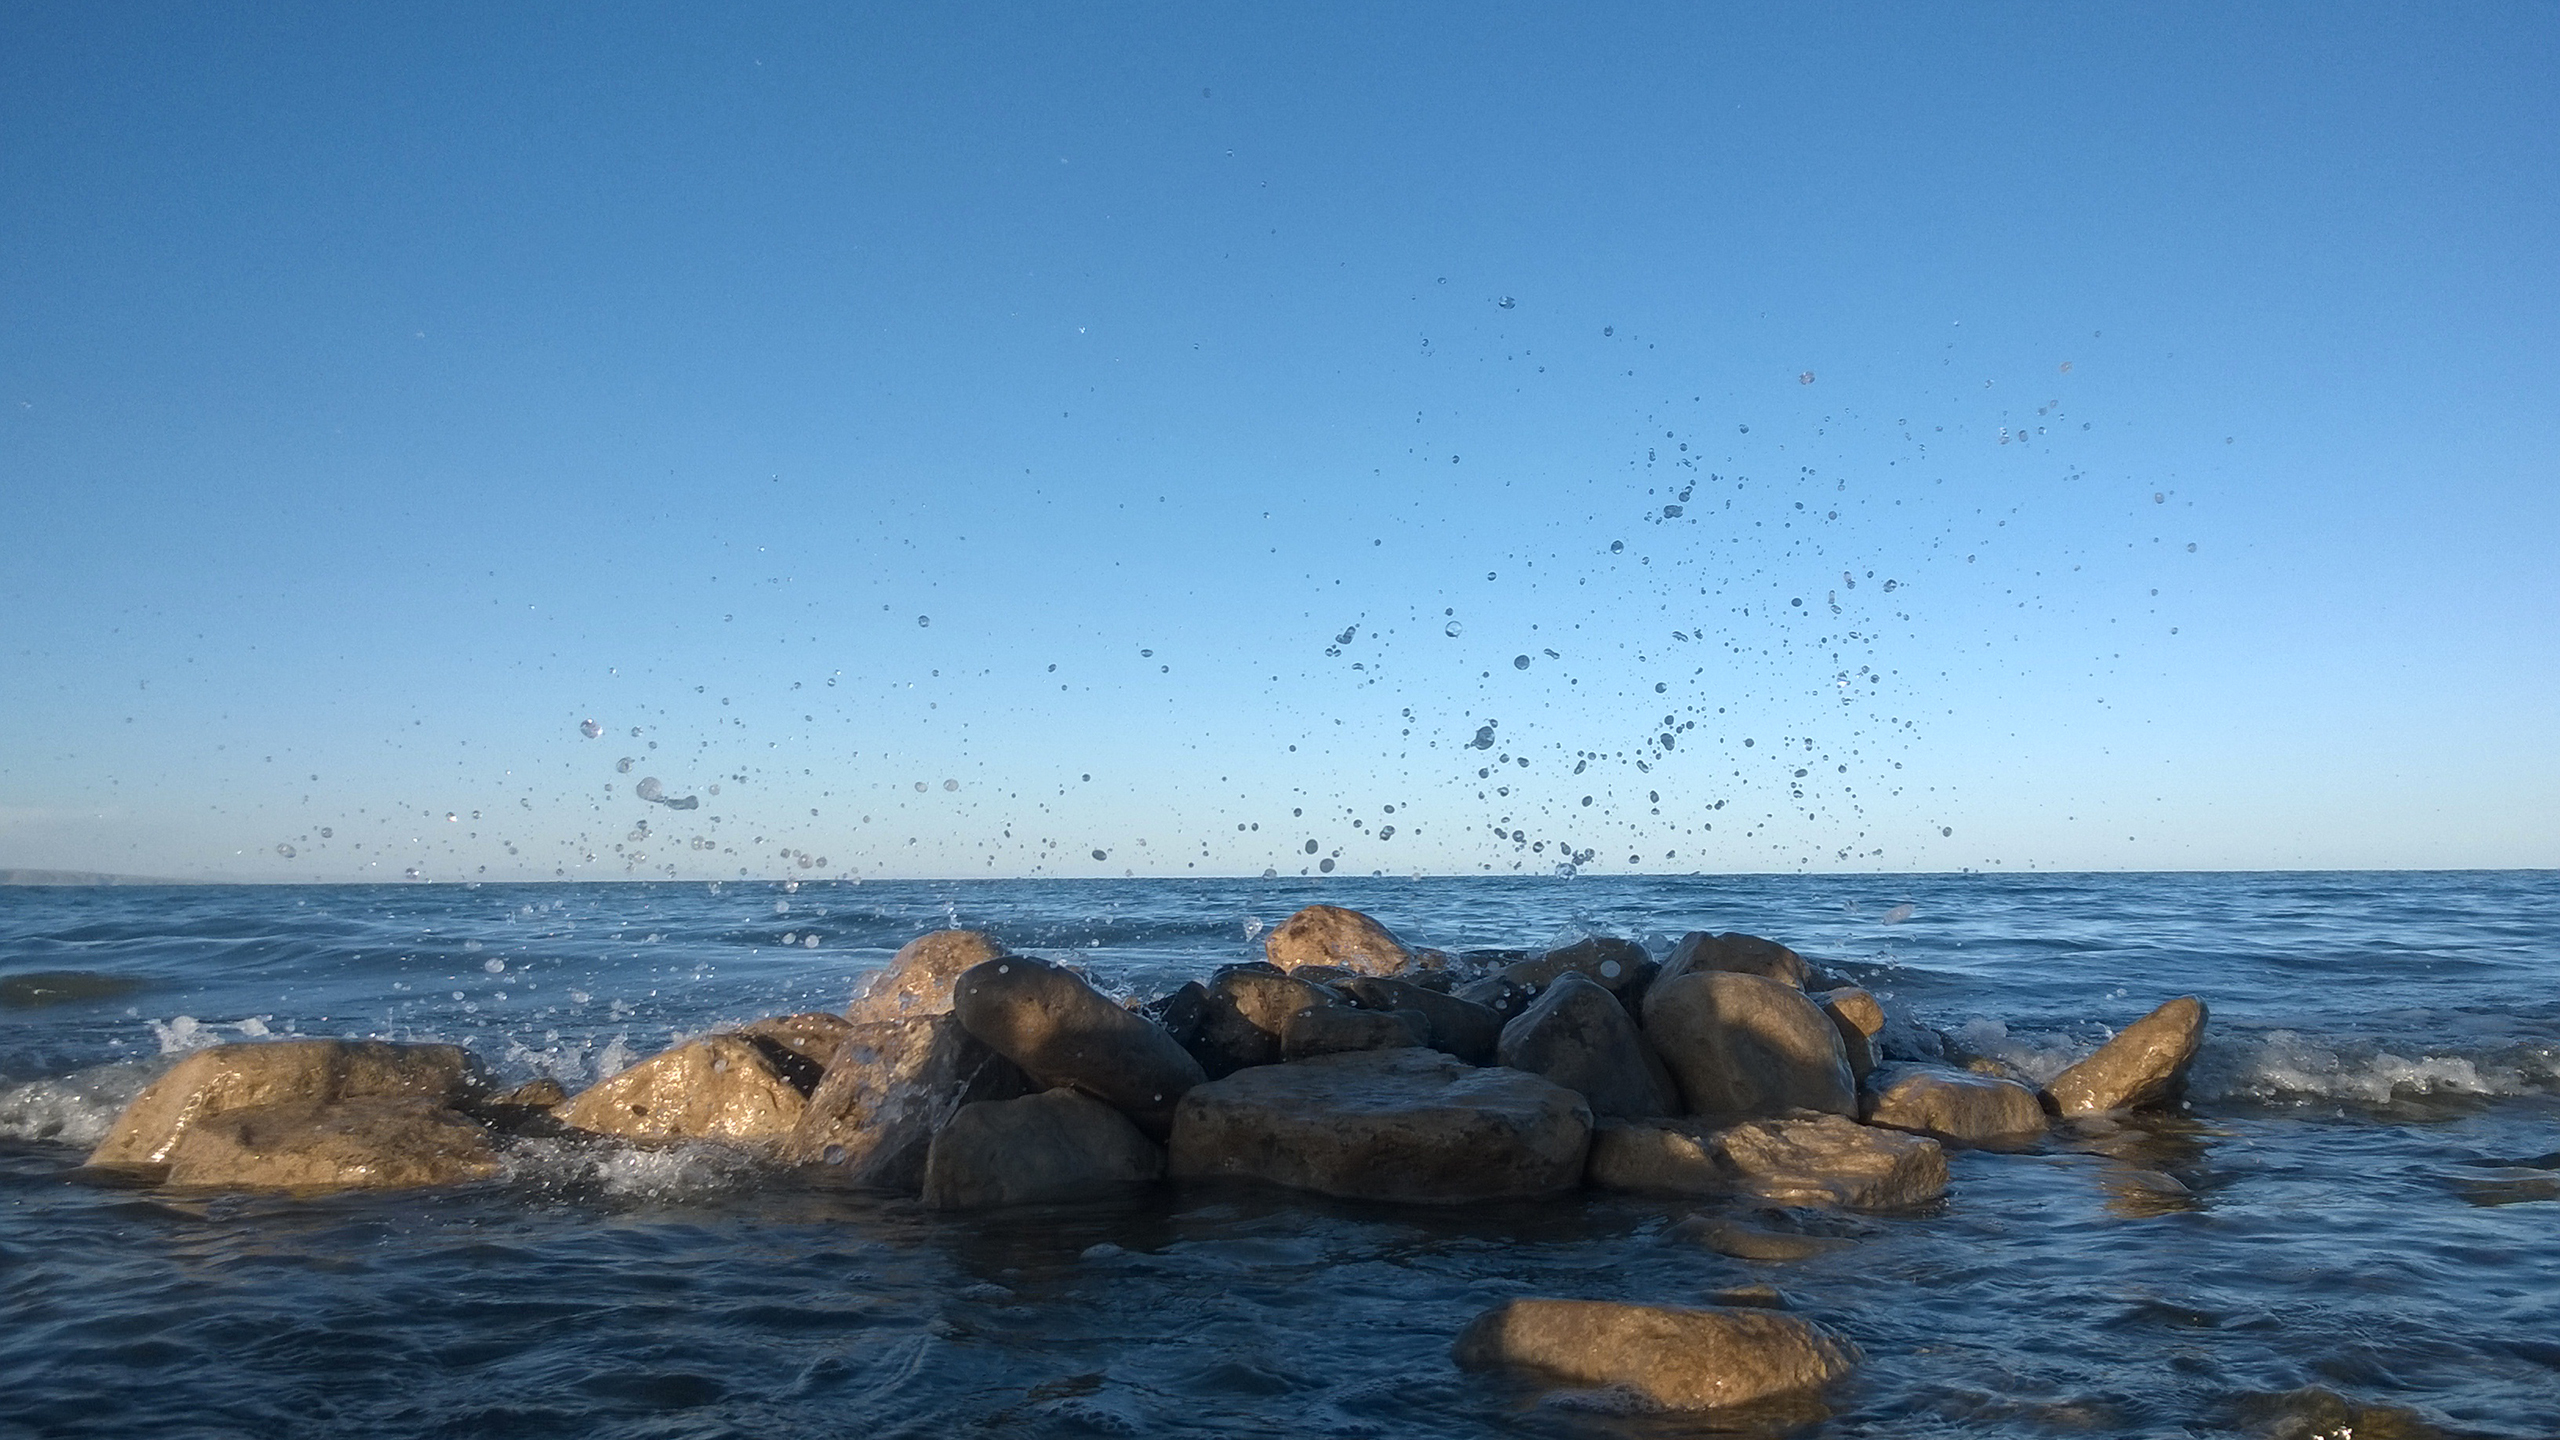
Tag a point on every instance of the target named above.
point(1346, 1063)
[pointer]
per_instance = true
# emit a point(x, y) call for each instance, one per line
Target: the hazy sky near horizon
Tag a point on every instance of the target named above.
point(1195, 440)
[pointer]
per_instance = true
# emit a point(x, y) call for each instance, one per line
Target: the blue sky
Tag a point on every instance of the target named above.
point(387, 395)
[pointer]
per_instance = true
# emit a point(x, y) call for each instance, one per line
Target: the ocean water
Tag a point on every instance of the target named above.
point(2362, 1238)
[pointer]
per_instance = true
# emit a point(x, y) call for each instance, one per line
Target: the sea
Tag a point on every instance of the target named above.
point(2351, 1231)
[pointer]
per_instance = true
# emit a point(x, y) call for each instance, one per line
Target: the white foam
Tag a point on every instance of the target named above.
point(2284, 1064)
point(2039, 1057)
point(186, 1033)
point(671, 1172)
point(75, 1109)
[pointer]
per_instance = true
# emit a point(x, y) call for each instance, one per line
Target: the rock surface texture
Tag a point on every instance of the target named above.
point(889, 1088)
point(1410, 1125)
point(1699, 952)
point(225, 1078)
point(1580, 1037)
point(1246, 1013)
point(369, 1143)
point(1859, 1019)
point(918, 979)
point(1338, 1029)
point(1056, 1145)
point(1956, 1105)
point(1683, 1359)
point(1062, 1031)
point(1745, 1045)
point(1462, 1028)
point(1819, 1160)
point(720, 1087)
point(1331, 935)
point(2145, 1066)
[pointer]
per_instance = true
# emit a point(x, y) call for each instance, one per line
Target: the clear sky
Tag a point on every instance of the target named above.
point(1091, 440)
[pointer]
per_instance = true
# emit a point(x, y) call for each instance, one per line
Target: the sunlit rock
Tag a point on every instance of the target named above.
point(1056, 1145)
point(720, 1087)
point(1331, 935)
point(1460, 1027)
point(1682, 1359)
point(1736, 954)
point(1410, 1124)
point(919, 977)
point(1246, 1011)
point(1580, 1037)
point(2144, 1066)
point(1859, 1019)
point(1744, 1045)
point(808, 1039)
point(225, 1078)
point(1062, 1031)
point(1819, 1160)
point(365, 1143)
point(1954, 1105)
point(890, 1086)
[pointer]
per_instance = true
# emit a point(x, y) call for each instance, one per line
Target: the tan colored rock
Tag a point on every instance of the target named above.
point(280, 1072)
point(1681, 1359)
point(1339, 1029)
point(1054, 1146)
point(366, 1143)
point(542, 1093)
point(918, 978)
point(889, 1088)
point(1410, 1125)
point(2143, 1067)
point(720, 1087)
point(1745, 1045)
point(1756, 1243)
point(1579, 1036)
point(1952, 1105)
point(1246, 1012)
point(1855, 1013)
point(1736, 954)
point(812, 1037)
point(1062, 1031)
point(1462, 1028)
point(1331, 935)
point(1819, 1160)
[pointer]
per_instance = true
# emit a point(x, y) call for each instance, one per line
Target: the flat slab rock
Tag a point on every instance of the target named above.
point(369, 1143)
point(1407, 1125)
point(253, 1075)
point(1682, 1359)
point(1819, 1160)
point(1954, 1105)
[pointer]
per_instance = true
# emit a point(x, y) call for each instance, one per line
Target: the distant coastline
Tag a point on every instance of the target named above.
point(81, 877)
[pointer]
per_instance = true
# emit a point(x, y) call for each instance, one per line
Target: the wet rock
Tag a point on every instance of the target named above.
point(1736, 954)
point(365, 1143)
point(2144, 1067)
point(1744, 1045)
point(1339, 1029)
point(1497, 994)
point(919, 977)
point(889, 1088)
point(1859, 1019)
point(1462, 1028)
point(1346, 939)
point(281, 1072)
point(1752, 1297)
point(1607, 960)
point(539, 1094)
point(1182, 1013)
point(1580, 1037)
point(810, 1038)
point(1062, 1031)
point(1410, 1125)
point(1952, 1105)
point(1054, 1146)
point(1682, 1359)
point(1756, 1243)
point(1246, 1013)
point(1808, 1160)
point(720, 1087)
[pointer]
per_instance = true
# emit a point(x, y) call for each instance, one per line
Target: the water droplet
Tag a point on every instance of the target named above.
point(923, 621)
point(1505, 302)
point(1101, 855)
point(790, 937)
point(1519, 662)
point(494, 966)
point(1805, 379)
point(649, 789)
point(326, 832)
point(1617, 547)
point(950, 784)
point(590, 729)
point(1453, 629)
point(622, 766)
point(287, 851)
point(1897, 914)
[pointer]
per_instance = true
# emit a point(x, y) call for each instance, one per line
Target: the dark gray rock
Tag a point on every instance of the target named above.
point(1460, 1027)
point(1339, 1029)
point(1054, 1146)
point(1061, 1031)
point(1579, 1036)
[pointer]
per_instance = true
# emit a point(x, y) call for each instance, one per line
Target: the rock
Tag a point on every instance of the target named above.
point(889, 1088)
point(810, 1038)
point(720, 1087)
point(1752, 1242)
point(1745, 1045)
point(1681, 1359)
point(1579, 1036)
point(1338, 1029)
point(364, 1143)
point(1247, 1011)
point(919, 977)
point(2144, 1067)
point(1331, 935)
point(1753, 1297)
point(1859, 1019)
point(1182, 1014)
point(1607, 960)
point(1462, 1028)
point(281, 1072)
point(1062, 1031)
point(1812, 1160)
point(1411, 1125)
point(1056, 1145)
point(1497, 994)
point(1954, 1105)
point(1735, 954)
point(538, 1094)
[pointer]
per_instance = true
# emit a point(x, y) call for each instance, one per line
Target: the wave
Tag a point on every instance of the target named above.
point(2282, 1066)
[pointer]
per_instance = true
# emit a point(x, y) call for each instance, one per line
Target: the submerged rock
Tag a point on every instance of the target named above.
point(1580, 1037)
point(1808, 1160)
point(889, 1088)
point(2144, 1066)
point(1062, 1031)
point(1745, 1045)
point(1460, 1027)
point(1331, 935)
point(366, 1143)
point(918, 979)
point(1056, 1145)
point(226, 1078)
point(1732, 953)
point(1411, 1125)
point(1682, 1359)
point(720, 1087)
point(1957, 1105)
point(1756, 1243)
